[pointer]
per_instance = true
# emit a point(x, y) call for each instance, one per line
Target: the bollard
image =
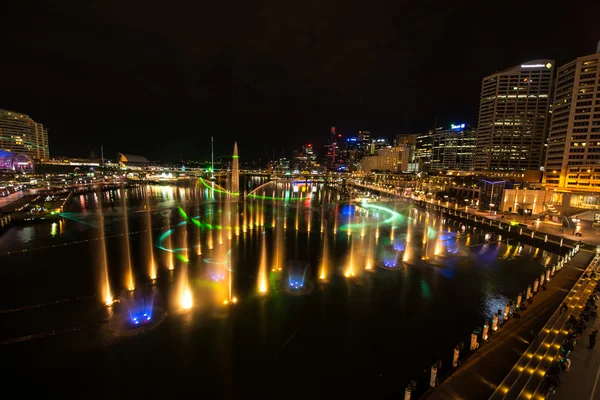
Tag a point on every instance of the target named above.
point(509, 228)
point(506, 312)
point(528, 292)
point(490, 222)
point(495, 323)
point(542, 276)
point(521, 231)
point(474, 343)
point(561, 242)
point(455, 357)
point(519, 298)
point(546, 238)
point(433, 376)
point(484, 334)
point(553, 271)
point(536, 283)
point(548, 275)
point(532, 234)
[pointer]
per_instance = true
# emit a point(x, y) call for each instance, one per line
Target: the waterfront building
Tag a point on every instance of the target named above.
point(394, 159)
point(21, 134)
point(452, 148)
point(423, 151)
point(514, 117)
point(491, 194)
point(573, 158)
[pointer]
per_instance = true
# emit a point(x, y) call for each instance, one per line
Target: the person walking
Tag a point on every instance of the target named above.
point(593, 336)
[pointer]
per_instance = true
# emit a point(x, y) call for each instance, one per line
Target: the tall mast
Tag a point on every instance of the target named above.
point(212, 157)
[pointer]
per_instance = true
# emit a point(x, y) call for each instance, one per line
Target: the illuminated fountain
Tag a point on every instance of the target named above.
point(105, 291)
point(324, 258)
point(350, 267)
point(279, 249)
point(129, 281)
point(262, 268)
point(407, 250)
point(148, 240)
point(370, 252)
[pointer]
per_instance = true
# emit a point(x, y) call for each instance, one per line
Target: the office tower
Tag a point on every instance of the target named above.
point(573, 156)
point(514, 117)
point(453, 148)
point(332, 149)
point(364, 137)
point(423, 150)
point(411, 142)
point(20, 134)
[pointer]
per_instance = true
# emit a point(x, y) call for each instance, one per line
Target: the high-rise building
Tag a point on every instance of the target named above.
point(364, 137)
point(514, 117)
point(20, 134)
point(411, 142)
point(573, 157)
point(453, 148)
point(332, 150)
point(305, 159)
point(423, 150)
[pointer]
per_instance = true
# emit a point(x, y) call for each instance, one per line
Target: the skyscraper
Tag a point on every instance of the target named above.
point(573, 158)
point(453, 148)
point(20, 134)
point(514, 117)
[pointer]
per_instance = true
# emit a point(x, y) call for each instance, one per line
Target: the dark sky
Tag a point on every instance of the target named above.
point(158, 78)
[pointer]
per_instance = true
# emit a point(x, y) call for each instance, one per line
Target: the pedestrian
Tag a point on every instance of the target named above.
point(564, 308)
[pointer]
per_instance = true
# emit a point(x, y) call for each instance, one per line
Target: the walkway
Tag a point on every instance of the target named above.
point(480, 374)
point(524, 381)
point(6, 200)
point(581, 381)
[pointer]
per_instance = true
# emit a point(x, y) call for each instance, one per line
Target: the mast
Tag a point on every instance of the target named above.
point(102, 156)
point(212, 157)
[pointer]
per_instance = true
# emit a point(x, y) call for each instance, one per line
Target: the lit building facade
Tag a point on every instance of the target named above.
point(305, 159)
point(573, 157)
point(514, 117)
point(394, 159)
point(20, 134)
point(364, 137)
point(423, 151)
point(452, 148)
point(491, 194)
point(332, 150)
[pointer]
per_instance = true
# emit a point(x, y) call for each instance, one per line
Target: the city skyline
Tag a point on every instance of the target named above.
point(164, 80)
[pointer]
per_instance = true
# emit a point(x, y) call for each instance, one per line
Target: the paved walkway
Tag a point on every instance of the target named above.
point(479, 376)
point(581, 381)
point(6, 200)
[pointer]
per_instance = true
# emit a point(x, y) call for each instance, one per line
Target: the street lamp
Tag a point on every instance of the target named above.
point(491, 205)
point(526, 213)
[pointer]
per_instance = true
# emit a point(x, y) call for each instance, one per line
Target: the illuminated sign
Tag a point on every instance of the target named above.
point(352, 139)
point(537, 66)
point(457, 126)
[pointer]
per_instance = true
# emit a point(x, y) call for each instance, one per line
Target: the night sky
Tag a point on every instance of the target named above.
point(158, 78)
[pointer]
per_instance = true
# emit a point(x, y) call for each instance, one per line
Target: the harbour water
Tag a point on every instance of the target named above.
point(285, 292)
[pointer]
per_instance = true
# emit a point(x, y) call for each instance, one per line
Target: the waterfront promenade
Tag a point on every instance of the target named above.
point(483, 371)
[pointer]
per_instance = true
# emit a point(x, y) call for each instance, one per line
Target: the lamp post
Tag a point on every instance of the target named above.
point(526, 213)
